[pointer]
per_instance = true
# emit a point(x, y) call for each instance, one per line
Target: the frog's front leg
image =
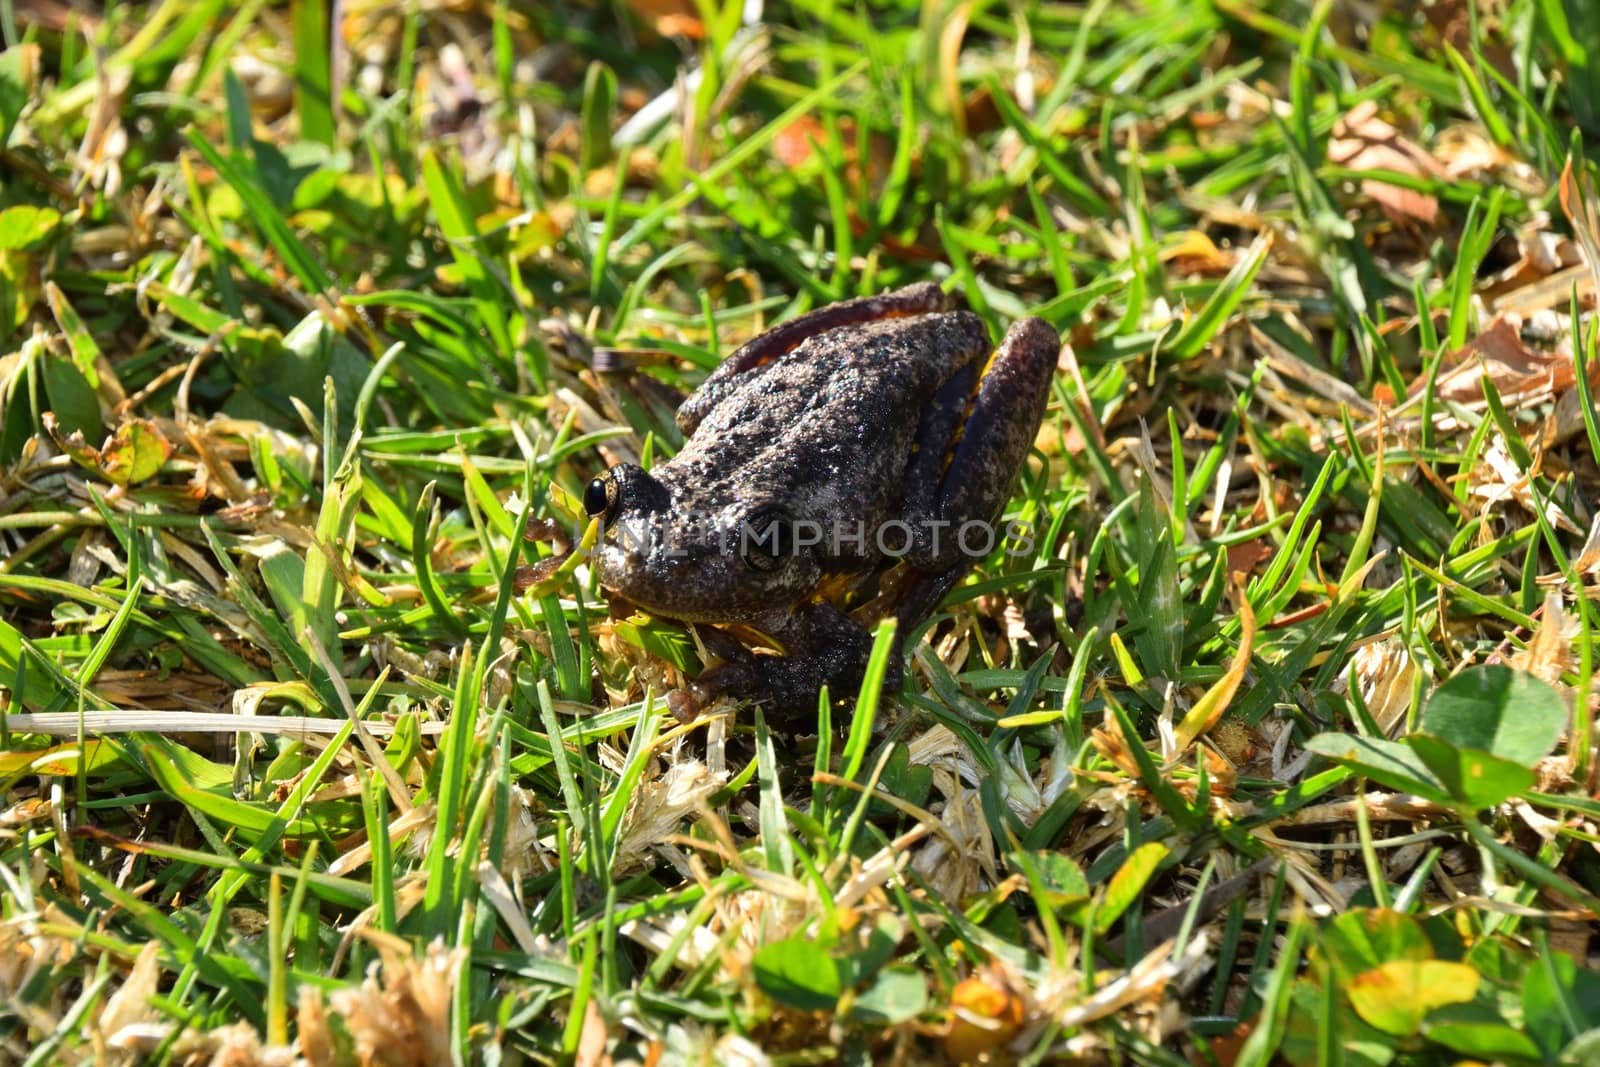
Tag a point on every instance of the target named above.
point(822, 646)
point(965, 465)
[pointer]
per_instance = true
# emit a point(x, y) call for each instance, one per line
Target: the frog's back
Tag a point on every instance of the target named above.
point(830, 381)
point(828, 426)
point(922, 298)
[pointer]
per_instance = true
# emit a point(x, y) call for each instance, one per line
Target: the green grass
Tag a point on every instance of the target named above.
point(1263, 752)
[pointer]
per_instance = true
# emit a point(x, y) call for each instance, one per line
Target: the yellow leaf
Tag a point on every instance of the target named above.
point(1397, 996)
point(135, 452)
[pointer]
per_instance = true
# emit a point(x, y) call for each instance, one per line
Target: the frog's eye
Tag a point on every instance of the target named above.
point(599, 495)
point(765, 538)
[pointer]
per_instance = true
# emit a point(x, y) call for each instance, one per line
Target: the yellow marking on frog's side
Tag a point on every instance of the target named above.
point(836, 589)
point(966, 412)
point(753, 638)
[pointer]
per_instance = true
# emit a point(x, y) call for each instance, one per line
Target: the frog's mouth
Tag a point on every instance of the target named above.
point(646, 574)
point(661, 587)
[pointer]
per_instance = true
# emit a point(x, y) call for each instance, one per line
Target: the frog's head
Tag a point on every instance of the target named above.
point(727, 565)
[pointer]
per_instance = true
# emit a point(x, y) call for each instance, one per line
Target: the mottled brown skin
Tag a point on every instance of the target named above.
point(872, 410)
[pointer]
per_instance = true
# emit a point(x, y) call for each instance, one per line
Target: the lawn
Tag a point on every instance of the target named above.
point(1273, 742)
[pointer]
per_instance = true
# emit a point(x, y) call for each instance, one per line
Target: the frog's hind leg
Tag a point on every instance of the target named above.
point(941, 424)
point(980, 448)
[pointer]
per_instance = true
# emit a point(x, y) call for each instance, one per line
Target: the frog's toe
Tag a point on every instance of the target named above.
point(766, 680)
point(685, 705)
point(825, 647)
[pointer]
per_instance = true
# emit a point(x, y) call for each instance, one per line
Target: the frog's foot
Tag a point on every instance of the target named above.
point(965, 464)
point(824, 648)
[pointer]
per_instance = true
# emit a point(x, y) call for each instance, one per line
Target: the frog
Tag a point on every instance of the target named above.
point(831, 471)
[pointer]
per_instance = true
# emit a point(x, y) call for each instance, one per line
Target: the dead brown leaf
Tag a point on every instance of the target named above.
point(1578, 202)
point(1074, 442)
point(1514, 368)
point(1466, 152)
point(1588, 560)
point(130, 1004)
point(671, 18)
point(400, 1014)
point(54, 16)
point(1383, 673)
point(1549, 654)
point(1547, 267)
point(1246, 556)
point(592, 1039)
point(1115, 746)
point(1452, 21)
point(1362, 141)
point(315, 1038)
